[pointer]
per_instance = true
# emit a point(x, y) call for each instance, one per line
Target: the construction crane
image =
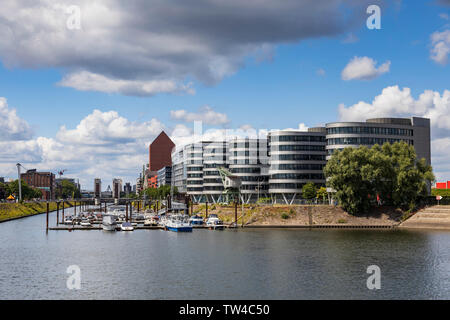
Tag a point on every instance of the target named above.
point(61, 172)
point(231, 184)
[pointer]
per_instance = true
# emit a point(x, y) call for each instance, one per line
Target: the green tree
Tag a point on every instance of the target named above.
point(67, 189)
point(322, 193)
point(309, 190)
point(358, 175)
point(27, 191)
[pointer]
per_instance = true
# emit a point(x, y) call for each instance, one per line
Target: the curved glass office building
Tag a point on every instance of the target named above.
point(214, 156)
point(248, 159)
point(414, 131)
point(296, 158)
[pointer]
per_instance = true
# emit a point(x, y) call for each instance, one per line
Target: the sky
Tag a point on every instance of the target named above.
point(86, 86)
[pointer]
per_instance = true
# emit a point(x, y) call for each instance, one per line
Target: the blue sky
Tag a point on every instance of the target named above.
point(283, 90)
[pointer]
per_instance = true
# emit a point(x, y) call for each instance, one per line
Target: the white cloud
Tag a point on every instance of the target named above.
point(397, 102)
point(440, 50)
point(444, 16)
point(87, 81)
point(11, 126)
point(106, 128)
point(364, 68)
point(205, 114)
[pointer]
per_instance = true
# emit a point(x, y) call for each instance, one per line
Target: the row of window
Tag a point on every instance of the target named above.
point(371, 130)
point(299, 157)
point(245, 170)
point(298, 186)
point(194, 169)
point(297, 138)
point(298, 176)
point(298, 148)
point(364, 141)
point(290, 167)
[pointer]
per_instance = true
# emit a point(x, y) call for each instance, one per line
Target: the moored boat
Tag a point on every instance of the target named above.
point(196, 220)
point(178, 223)
point(109, 223)
point(214, 223)
point(126, 226)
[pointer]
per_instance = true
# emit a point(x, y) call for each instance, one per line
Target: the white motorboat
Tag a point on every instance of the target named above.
point(213, 222)
point(126, 226)
point(68, 220)
point(196, 220)
point(178, 223)
point(109, 223)
point(85, 224)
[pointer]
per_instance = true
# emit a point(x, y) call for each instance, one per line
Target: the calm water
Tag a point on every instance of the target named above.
point(247, 264)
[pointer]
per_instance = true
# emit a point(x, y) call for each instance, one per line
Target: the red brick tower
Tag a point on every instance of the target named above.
point(160, 152)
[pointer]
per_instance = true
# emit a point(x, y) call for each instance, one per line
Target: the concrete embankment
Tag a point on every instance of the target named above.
point(436, 217)
point(12, 211)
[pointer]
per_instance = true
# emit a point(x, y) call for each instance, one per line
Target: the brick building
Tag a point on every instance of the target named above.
point(160, 152)
point(45, 181)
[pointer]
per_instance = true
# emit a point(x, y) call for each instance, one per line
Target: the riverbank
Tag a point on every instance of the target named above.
point(302, 215)
point(11, 211)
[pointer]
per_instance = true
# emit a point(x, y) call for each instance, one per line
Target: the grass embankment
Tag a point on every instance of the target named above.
point(10, 211)
point(301, 215)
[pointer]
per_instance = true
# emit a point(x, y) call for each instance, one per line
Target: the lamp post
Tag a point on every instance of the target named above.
point(20, 182)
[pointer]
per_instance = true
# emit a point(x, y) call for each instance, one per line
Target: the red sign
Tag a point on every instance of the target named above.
point(438, 198)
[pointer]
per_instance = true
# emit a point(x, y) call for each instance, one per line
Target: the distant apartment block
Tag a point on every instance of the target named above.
point(97, 188)
point(164, 176)
point(117, 188)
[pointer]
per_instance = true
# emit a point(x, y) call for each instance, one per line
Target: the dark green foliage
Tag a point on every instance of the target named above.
point(391, 171)
point(309, 190)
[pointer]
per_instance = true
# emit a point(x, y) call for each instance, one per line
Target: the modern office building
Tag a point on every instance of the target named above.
point(164, 176)
point(280, 166)
point(296, 158)
point(193, 157)
point(414, 131)
point(127, 189)
point(248, 159)
point(215, 155)
point(179, 174)
point(45, 181)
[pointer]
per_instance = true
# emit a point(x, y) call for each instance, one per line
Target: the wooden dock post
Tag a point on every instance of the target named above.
point(105, 206)
point(126, 214)
point(57, 213)
point(206, 215)
point(131, 211)
point(235, 212)
point(75, 209)
point(64, 203)
point(46, 224)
